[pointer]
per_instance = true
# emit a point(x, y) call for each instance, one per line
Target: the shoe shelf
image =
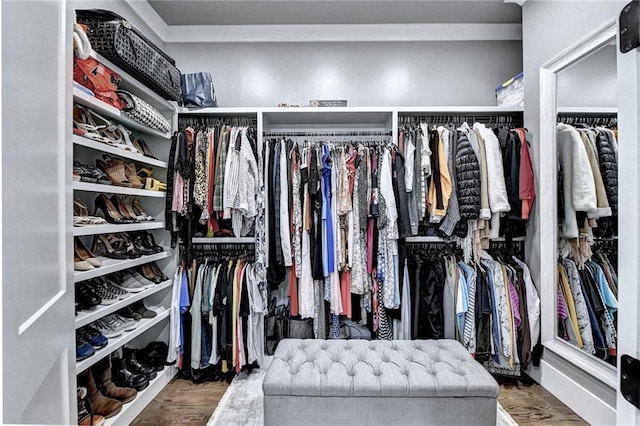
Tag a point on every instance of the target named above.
point(111, 228)
point(130, 83)
point(223, 240)
point(114, 189)
point(117, 342)
point(114, 113)
point(85, 317)
point(103, 147)
point(132, 409)
point(114, 265)
point(424, 239)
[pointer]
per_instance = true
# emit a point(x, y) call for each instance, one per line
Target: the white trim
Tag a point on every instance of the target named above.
point(582, 400)
point(112, 228)
point(113, 189)
point(596, 377)
point(223, 240)
point(341, 33)
point(628, 67)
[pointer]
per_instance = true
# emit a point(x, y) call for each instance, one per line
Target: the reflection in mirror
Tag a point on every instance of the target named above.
point(587, 148)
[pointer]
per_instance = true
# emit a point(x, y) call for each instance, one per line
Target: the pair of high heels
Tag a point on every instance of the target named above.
point(121, 211)
point(81, 215)
point(125, 245)
point(152, 272)
point(83, 258)
point(91, 125)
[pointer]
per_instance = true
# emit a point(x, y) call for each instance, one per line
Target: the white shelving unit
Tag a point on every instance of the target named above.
point(110, 228)
point(115, 265)
point(113, 189)
point(131, 410)
point(85, 317)
point(87, 150)
point(103, 147)
point(117, 342)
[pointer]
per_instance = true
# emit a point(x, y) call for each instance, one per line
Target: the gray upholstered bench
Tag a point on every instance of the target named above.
point(340, 382)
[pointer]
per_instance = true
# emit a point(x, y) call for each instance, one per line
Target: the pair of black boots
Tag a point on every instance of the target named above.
point(128, 371)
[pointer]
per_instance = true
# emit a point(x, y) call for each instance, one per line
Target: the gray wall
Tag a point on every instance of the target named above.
point(592, 82)
point(366, 74)
point(548, 28)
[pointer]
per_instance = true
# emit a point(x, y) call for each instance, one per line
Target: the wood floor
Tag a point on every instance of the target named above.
point(183, 402)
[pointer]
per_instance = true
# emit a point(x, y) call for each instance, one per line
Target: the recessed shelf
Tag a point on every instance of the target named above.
point(114, 265)
point(117, 342)
point(111, 228)
point(223, 240)
point(85, 317)
point(113, 189)
point(131, 410)
point(103, 147)
point(109, 111)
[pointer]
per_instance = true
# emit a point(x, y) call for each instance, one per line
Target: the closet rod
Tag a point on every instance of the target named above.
point(501, 118)
point(605, 119)
point(324, 134)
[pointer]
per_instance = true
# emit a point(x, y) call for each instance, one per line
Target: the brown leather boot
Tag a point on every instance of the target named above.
point(85, 412)
point(102, 405)
point(102, 371)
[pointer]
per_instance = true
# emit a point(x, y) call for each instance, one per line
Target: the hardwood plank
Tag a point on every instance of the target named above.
point(182, 402)
point(534, 405)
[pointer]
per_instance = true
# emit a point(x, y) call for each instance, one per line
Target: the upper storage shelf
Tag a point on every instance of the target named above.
point(347, 118)
point(108, 111)
point(131, 84)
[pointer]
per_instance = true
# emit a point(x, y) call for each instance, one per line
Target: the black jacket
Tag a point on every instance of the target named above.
point(608, 168)
point(467, 179)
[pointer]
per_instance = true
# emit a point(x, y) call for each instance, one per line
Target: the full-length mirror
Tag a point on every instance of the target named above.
point(579, 122)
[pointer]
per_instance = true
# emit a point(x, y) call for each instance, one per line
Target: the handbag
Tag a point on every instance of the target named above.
point(301, 328)
point(356, 331)
point(101, 80)
point(142, 112)
point(127, 47)
point(198, 91)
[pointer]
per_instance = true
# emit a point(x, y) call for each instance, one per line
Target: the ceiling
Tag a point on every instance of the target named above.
point(277, 12)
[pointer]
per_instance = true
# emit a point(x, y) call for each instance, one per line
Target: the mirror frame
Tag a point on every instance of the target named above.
point(593, 41)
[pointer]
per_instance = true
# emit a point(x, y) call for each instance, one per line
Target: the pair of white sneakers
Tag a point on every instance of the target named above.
point(134, 282)
point(114, 325)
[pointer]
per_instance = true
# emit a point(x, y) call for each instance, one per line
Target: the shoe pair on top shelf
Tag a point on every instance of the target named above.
point(126, 245)
point(121, 210)
point(91, 125)
point(83, 258)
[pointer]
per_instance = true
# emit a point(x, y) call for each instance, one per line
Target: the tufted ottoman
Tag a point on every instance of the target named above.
point(404, 382)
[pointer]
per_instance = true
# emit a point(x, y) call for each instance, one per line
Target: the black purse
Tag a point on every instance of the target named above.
point(126, 46)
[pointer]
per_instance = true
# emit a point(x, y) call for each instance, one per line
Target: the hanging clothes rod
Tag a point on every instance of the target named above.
point(208, 121)
point(593, 119)
point(325, 134)
point(434, 119)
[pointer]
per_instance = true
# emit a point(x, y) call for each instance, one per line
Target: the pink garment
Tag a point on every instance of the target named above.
point(527, 184)
point(178, 194)
point(345, 293)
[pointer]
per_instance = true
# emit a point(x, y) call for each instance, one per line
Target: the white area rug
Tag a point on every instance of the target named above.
point(242, 403)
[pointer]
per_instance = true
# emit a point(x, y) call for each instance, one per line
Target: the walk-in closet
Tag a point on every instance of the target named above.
point(320, 212)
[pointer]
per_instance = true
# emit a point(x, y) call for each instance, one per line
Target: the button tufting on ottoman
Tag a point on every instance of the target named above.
point(369, 382)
